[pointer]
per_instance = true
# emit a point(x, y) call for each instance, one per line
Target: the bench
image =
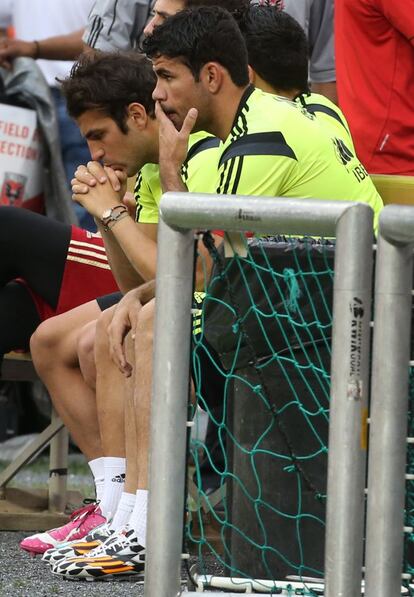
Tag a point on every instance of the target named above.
point(35, 509)
point(394, 189)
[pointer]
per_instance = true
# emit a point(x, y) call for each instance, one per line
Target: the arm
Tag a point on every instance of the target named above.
point(400, 15)
point(131, 247)
point(61, 47)
point(317, 20)
point(132, 252)
point(322, 54)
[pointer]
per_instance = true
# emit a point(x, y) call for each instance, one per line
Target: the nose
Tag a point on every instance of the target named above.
point(159, 94)
point(97, 152)
point(150, 26)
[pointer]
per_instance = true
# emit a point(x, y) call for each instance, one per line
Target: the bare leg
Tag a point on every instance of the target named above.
point(54, 352)
point(131, 437)
point(117, 422)
point(142, 394)
point(142, 405)
point(110, 390)
point(86, 354)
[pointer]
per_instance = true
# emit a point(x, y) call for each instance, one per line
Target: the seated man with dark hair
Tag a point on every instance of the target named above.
point(284, 70)
point(110, 95)
point(270, 146)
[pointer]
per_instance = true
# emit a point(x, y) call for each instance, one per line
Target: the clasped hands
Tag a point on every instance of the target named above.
point(98, 188)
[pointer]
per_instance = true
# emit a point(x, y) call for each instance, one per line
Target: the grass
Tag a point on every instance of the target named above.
point(36, 473)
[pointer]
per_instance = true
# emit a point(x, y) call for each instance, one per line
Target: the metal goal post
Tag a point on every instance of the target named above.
point(389, 402)
point(351, 223)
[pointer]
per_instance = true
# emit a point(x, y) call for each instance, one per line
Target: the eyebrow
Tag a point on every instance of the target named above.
point(162, 13)
point(92, 132)
point(162, 71)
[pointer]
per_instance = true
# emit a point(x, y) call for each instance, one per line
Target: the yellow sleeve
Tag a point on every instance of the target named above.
point(147, 197)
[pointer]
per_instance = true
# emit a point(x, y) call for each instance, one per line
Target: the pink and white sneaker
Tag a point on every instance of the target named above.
point(81, 522)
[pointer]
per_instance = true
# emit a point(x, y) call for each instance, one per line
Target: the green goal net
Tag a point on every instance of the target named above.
point(260, 363)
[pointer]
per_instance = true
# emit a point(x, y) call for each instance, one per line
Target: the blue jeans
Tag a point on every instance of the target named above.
point(75, 151)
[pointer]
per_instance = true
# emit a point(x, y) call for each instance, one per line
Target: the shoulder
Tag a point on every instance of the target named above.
point(200, 142)
point(328, 112)
point(316, 102)
point(147, 178)
point(202, 147)
point(149, 171)
point(267, 110)
point(200, 166)
point(265, 118)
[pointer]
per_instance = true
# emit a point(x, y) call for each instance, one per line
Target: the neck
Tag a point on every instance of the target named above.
point(225, 108)
point(153, 144)
point(266, 87)
point(153, 153)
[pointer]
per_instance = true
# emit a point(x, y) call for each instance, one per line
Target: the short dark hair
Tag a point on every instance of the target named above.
point(200, 35)
point(277, 47)
point(109, 82)
point(236, 8)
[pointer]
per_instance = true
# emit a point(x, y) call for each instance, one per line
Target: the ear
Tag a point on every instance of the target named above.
point(137, 114)
point(252, 74)
point(212, 75)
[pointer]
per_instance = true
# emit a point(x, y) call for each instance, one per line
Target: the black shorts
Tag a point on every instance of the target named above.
point(108, 300)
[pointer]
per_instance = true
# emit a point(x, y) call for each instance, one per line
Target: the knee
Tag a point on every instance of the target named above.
point(144, 329)
point(53, 344)
point(101, 335)
point(43, 343)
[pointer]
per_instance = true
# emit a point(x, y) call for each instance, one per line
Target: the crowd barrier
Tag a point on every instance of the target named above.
point(390, 515)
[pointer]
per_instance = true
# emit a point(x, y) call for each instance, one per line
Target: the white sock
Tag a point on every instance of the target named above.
point(138, 518)
point(114, 485)
point(98, 471)
point(124, 510)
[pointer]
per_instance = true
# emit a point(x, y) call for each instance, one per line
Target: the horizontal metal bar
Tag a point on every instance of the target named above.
point(266, 215)
point(396, 224)
point(210, 594)
point(250, 585)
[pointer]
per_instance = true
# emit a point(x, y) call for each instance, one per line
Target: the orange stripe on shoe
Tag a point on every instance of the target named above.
point(114, 570)
point(87, 545)
point(107, 563)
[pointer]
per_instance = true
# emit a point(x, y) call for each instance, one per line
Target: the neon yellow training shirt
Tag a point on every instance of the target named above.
point(329, 113)
point(277, 148)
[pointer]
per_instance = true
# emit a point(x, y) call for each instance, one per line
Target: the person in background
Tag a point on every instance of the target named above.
point(31, 28)
point(375, 63)
point(116, 24)
point(317, 19)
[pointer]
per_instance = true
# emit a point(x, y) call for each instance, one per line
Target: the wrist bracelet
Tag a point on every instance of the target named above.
point(37, 49)
point(111, 216)
point(112, 223)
